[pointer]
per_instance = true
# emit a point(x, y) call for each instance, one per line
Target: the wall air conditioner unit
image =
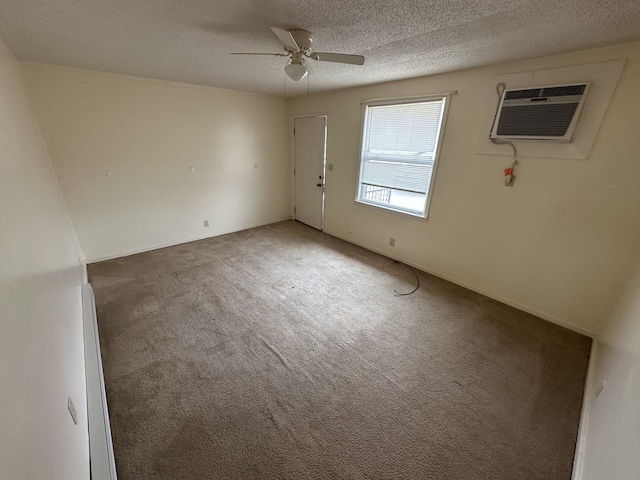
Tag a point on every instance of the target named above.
point(540, 113)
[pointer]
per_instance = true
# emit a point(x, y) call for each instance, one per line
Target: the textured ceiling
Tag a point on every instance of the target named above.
point(190, 40)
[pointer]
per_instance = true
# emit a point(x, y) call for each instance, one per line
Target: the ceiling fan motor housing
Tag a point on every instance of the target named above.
point(302, 38)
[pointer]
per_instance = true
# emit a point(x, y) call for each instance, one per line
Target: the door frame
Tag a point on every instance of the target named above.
point(292, 140)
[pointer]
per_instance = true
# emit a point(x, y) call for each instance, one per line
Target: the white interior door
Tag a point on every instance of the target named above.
point(309, 147)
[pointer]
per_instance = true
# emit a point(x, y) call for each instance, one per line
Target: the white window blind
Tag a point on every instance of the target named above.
point(399, 150)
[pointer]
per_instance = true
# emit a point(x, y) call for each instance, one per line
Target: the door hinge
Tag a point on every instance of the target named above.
point(294, 130)
point(294, 172)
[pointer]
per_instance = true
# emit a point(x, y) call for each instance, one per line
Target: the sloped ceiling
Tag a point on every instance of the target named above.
point(191, 40)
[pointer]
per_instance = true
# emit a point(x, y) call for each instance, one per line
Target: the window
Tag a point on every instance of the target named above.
point(400, 144)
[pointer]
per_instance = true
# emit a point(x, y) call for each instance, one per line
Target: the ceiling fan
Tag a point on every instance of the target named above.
point(297, 44)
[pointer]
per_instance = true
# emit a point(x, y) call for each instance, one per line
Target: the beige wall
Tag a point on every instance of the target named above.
point(41, 344)
point(559, 244)
point(612, 423)
point(123, 147)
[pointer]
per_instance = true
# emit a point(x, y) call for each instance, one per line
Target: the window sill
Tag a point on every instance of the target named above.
point(414, 216)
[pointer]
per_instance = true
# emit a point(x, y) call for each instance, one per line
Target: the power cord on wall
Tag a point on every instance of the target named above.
point(509, 173)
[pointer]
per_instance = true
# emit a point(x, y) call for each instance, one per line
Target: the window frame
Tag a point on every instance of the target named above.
point(446, 97)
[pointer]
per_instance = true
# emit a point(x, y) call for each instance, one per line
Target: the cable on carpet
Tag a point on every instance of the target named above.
point(398, 294)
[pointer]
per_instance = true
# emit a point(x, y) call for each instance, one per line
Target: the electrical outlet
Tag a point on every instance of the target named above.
point(392, 242)
point(72, 410)
point(206, 223)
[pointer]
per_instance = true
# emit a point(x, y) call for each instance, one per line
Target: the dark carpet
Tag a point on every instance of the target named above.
point(282, 353)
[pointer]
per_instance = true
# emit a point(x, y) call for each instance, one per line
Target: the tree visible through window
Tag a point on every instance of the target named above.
point(400, 144)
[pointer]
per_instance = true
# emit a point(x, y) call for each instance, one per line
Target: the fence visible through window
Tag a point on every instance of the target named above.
point(376, 194)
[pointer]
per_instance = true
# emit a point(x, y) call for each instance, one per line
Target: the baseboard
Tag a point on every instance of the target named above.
point(474, 288)
point(587, 400)
point(101, 457)
point(158, 246)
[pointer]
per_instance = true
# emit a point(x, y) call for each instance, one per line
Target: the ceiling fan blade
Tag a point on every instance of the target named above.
point(286, 38)
point(249, 53)
point(338, 58)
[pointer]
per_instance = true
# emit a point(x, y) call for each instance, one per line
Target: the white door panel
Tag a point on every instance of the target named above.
point(309, 159)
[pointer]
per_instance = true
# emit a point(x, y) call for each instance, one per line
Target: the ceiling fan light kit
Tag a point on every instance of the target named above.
point(297, 44)
point(296, 71)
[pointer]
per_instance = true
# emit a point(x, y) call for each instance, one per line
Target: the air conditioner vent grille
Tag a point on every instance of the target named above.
point(562, 91)
point(537, 120)
point(529, 93)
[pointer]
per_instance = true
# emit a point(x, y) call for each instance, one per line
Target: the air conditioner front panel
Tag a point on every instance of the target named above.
point(540, 113)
